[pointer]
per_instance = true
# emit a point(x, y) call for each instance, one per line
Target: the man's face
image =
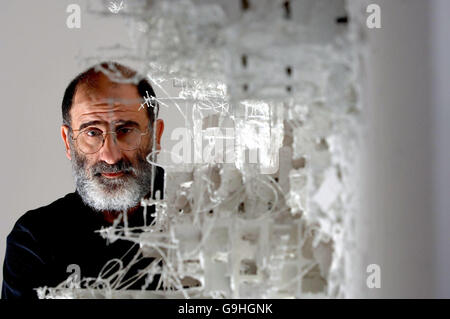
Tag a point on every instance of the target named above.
point(111, 179)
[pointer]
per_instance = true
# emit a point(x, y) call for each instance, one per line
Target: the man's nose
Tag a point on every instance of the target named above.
point(110, 152)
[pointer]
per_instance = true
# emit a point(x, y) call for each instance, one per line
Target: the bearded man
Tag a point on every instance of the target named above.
point(108, 135)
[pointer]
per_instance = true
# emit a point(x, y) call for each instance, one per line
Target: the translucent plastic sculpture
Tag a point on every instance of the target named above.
point(270, 89)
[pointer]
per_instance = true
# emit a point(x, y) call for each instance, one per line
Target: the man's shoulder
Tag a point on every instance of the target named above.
point(48, 214)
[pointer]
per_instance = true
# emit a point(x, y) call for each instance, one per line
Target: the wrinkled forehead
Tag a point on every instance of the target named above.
point(108, 102)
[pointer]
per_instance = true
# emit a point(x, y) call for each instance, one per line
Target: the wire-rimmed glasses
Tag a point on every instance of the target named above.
point(91, 140)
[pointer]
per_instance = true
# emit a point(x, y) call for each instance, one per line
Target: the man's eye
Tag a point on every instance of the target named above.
point(93, 133)
point(124, 130)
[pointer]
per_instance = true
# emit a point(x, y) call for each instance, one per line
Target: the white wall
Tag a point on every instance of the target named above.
point(407, 161)
point(441, 130)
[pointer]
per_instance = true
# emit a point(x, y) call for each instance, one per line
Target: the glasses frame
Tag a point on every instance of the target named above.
point(104, 138)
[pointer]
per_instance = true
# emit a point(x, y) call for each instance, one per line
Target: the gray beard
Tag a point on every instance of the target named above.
point(112, 195)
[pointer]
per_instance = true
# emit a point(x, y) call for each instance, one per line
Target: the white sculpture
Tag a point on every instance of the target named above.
point(276, 220)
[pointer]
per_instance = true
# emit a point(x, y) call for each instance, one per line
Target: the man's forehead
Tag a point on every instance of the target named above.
point(105, 113)
point(102, 90)
point(107, 102)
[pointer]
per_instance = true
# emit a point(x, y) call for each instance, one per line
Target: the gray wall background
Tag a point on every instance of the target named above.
point(407, 170)
point(406, 210)
point(398, 212)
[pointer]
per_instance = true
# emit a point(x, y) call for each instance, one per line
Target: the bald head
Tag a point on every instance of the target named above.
point(109, 80)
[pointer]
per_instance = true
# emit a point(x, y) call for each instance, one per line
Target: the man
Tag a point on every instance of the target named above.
point(107, 135)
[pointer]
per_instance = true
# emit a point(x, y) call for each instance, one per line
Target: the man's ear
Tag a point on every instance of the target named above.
point(159, 131)
point(65, 136)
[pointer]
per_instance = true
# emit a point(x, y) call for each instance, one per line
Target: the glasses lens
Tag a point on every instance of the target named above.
point(128, 138)
point(90, 140)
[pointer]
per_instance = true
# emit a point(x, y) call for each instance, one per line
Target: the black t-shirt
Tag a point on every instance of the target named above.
point(44, 242)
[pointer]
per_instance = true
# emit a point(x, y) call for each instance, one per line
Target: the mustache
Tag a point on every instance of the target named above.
point(121, 166)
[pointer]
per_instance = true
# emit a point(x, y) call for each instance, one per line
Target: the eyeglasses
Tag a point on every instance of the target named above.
point(91, 140)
